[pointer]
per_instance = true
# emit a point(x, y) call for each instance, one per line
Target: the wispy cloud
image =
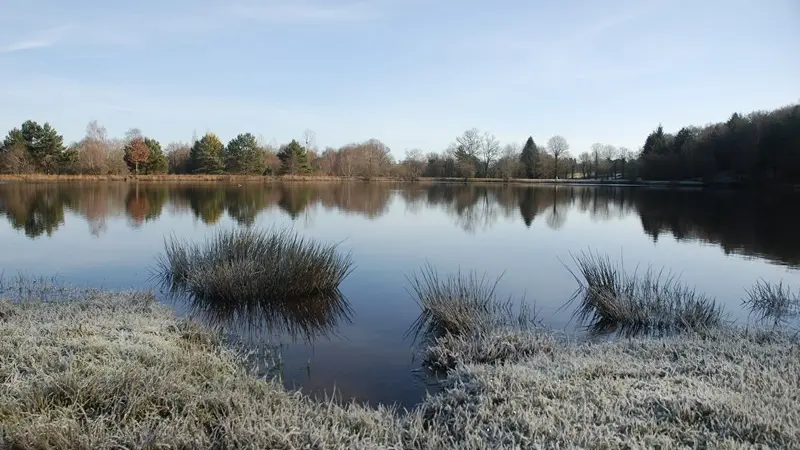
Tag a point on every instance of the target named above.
point(283, 11)
point(44, 39)
point(27, 45)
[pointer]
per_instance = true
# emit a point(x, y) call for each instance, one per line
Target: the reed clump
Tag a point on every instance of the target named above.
point(462, 303)
point(252, 266)
point(773, 302)
point(651, 302)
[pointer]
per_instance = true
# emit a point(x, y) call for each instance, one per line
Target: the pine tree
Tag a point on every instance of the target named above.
point(529, 158)
point(243, 155)
point(206, 155)
point(156, 160)
point(42, 143)
point(294, 159)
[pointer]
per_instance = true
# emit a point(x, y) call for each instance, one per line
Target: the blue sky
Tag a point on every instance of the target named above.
point(412, 73)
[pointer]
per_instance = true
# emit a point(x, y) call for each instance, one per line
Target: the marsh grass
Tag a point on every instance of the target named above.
point(772, 302)
point(118, 370)
point(253, 264)
point(647, 302)
point(462, 303)
point(253, 276)
point(22, 287)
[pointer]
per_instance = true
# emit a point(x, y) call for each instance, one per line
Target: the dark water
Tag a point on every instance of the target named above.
point(108, 235)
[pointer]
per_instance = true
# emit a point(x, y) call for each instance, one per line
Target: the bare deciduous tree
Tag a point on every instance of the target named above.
point(597, 150)
point(93, 150)
point(585, 160)
point(132, 134)
point(509, 163)
point(178, 157)
point(310, 140)
point(558, 147)
point(414, 163)
point(489, 150)
point(15, 159)
point(625, 155)
point(609, 156)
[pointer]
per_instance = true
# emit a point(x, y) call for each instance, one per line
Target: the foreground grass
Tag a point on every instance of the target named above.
point(119, 371)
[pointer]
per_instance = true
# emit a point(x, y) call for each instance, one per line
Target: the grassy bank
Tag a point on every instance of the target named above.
point(117, 370)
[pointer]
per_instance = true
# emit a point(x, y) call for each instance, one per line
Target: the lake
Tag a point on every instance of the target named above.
point(107, 234)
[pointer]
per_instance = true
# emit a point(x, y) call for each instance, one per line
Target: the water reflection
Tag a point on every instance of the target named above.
point(749, 223)
point(307, 319)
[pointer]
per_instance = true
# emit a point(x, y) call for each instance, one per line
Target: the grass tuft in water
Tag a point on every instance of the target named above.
point(649, 302)
point(772, 302)
point(259, 277)
point(462, 303)
point(250, 264)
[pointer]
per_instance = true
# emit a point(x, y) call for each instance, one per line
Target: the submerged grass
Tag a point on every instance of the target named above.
point(251, 265)
point(117, 370)
point(650, 302)
point(773, 302)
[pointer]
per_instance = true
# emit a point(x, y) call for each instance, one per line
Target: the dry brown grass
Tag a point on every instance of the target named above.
point(119, 371)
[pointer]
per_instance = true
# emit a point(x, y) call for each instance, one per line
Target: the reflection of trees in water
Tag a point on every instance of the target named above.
point(474, 207)
point(413, 197)
point(144, 203)
point(745, 222)
point(207, 203)
point(295, 199)
point(244, 205)
point(368, 199)
point(35, 211)
point(748, 223)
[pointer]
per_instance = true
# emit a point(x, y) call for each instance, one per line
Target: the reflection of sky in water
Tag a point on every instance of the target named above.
point(395, 233)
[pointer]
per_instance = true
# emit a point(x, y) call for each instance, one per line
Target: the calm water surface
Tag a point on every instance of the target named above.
point(108, 235)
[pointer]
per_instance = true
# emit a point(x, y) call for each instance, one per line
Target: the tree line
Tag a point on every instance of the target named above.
point(759, 147)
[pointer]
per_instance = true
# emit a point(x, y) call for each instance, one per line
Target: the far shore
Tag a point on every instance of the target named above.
point(226, 178)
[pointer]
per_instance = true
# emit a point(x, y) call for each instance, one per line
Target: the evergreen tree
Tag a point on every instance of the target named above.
point(14, 138)
point(529, 158)
point(206, 155)
point(43, 144)
point(294, 159)
point(243, 155)
point(156, 160)
point(67, 161)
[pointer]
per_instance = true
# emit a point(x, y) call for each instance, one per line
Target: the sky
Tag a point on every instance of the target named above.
point(412, 73)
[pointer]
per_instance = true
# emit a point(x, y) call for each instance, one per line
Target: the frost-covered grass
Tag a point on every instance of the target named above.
point(117, 370)
point(610, 299)
point(253, 266)
point(463, 303)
